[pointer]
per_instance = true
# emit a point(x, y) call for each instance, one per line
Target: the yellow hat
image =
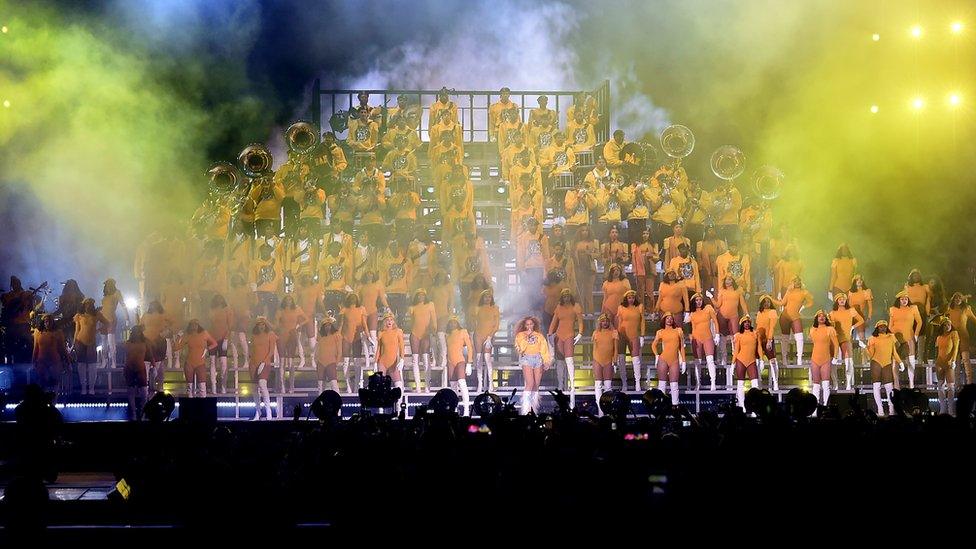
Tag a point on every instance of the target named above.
point(389, 314)
point(838, 295)
point(901, 294)
point(603, 317)
point(745, 318)
point(880, 323)
point(765, 296)
point(697, 294)
point(567, 291)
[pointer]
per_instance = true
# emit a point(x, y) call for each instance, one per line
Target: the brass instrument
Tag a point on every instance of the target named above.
point(256, 160)
point(302, 138)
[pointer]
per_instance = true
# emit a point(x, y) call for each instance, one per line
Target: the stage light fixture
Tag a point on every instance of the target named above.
point(954, 99)
point(160, 407)
point(956, 27)
point(874, 109)
point(918, 103)
point(444, 401)
point(615, 403)
point(487, 404)
point(6, 103)
point(875, 37)
point(916, 31)
point(4, 29)
point(131, 303)
point(501, 189)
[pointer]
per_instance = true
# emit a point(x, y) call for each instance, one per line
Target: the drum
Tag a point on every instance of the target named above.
point(563, 181)
point(585, 158)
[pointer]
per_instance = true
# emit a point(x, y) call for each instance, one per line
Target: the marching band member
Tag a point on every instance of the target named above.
point(599, 176)
point(511, 136)
point(637, 199)
point(401, 138)
point(266, 195)
point(611, 153)
point(736, 264)
point(580, 131)
point(443, 104)
point(543, 122)
point(395, 272)
point(726, 201)
point(336, 272)
point(645, 255)
point(786, 269)
point(221, 320)
point(266, 278)
point(446, 122)
point(906, 324)
point(842, 270)
point(444, 155)
point(586, 250)
point(668, 203)
point(355, 333)
point(423, 254)
point(845, 320)
point(614, 252)
point(947, 344)
point(423, 316)
point(671, 359)
point(824, 338)
point(608, 206)
point(390, 349)
point(687, 269)
point(330, 160)
point(704, 337)
point(694, 214)
point(796, 298)
point(264, 355)
point(404, 202)
point(496, 110)
point(563, 264)
point(534, 357)
point(532, 249)
point(458, 341)
point(310, 300)
point(672, 242)
point(328, 353)
point(370, 206)
point(577, 204)
point(559, 157)
point(566, 330)
point(961, 314)
point(364, 131)
point(766, 320)
point(731, 304)
point(745, 351)
point(586, 105)
point(883, 353)
point(197, 342)
point(487, 321)
point(605, 339)
point(707, 251)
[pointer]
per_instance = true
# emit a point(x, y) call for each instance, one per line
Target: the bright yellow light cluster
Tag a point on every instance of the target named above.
point(874, 109)
point(6, 103)
point(4, 29)
point(875, 37)
point(954, 99)
point(956, 27)
point(916, 31)
point(918, 103)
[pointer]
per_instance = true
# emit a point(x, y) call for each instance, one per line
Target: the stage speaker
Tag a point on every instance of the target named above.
point(198, 410)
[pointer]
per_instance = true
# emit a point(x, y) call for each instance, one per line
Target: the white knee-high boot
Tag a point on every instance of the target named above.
point(637, 372)
point(83, 377)
point(334, 385)
point(223, 374)
point(848, 373)
point(213, 374)
point(784, 347)
point(674, 393)
point(911, 371)
point(442, 351)
point(740, 393)
point(622, 366)
point(890, 392)
point(815, 389)
point(427, 372)
point(416, 372)
point(401, 385)
point(266, 398)
point(799, 348)
point(202, 389)
point(320, 385)
point(479, 370)
point(489, 374)
point(951, 399)
point(774, 374)
point(346, 375)
point(465, 397)
point(242, 338)
point(825, 391)
point(535, 401)
point(710, 363)
point(526, 402)
point(943, 404)
point(571, 378)
point(876, 389)
point(721, 351)
point(597, 393)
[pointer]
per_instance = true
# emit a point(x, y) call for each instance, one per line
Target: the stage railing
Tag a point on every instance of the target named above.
point(472, 106)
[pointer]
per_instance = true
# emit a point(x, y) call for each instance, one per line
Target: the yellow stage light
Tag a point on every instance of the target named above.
point(916, 31)
point(874, 109)
point(875, 37)
point(954, 99)
point(6, 103)
point(956, 27)
point(918, 103)
point(4, 29)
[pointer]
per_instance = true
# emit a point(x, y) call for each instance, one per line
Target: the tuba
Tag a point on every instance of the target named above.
point(301, 138)
point(256, 160)
point(224, 177)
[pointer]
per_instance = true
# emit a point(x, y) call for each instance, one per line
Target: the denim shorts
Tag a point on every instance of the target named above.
point(532, 361)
